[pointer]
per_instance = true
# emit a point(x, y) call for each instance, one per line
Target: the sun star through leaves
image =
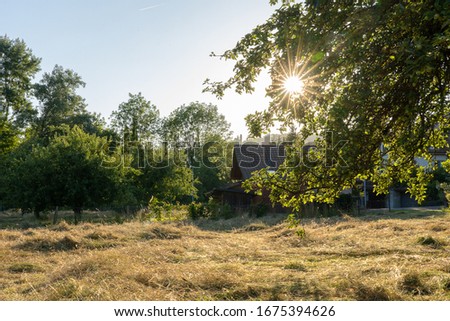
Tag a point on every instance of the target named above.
point(294, 85)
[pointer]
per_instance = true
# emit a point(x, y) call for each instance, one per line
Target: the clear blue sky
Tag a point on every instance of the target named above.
point(158, 47)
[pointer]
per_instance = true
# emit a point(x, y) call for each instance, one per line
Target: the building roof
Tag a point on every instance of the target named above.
point(248, 158)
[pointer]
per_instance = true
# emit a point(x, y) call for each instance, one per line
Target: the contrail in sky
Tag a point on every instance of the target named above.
point(151, 7)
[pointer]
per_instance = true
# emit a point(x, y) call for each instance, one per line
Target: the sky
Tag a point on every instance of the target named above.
point(160, 48)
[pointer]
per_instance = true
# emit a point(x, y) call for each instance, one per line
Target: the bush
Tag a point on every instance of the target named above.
point(259, 209)
point(159, 210)
point(212, 210)
point(446, 189)
point(196, 211)
point(219, 211)
point(344, 202)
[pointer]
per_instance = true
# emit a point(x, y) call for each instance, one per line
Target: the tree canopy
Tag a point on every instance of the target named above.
point(54, 153)
point(59, 100)
point(136, 120)
point(70, 171)
point(203, 134)
point(18, 66)
point(375, 78)
point(194, 123)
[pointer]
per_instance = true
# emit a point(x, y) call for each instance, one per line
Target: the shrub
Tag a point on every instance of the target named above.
point(159, 210)
point(344, 202)
point(219, 211)
point(259, 209)
point(446, 189)
point(196, 211)
point(212, 210)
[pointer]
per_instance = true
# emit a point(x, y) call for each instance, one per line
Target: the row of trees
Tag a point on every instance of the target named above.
point(54, 153)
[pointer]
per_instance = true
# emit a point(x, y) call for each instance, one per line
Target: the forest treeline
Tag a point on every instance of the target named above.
point(55, 153)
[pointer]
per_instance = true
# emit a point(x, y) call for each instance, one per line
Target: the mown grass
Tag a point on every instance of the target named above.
point(380, 256)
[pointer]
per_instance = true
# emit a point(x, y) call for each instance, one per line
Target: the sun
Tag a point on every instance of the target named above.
point(294, 85)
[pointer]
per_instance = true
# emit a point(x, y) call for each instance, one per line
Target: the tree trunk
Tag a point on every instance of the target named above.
point(37, 214)
point(55, 215)
point(77, 214)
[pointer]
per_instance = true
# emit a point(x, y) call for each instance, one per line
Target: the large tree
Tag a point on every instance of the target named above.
point(75, 169)
point(136, 120)
point(371, 79)
point(203, 134)
point(59, 102)
point(194, 123)
point(18, 66)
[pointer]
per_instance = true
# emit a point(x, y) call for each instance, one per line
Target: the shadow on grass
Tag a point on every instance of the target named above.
point(241, 223)
point(14, 220)
point(403, 214)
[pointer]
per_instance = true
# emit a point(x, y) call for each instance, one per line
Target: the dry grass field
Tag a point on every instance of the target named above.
point(381, 256)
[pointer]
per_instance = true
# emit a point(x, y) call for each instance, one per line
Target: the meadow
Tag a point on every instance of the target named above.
point(397, 255)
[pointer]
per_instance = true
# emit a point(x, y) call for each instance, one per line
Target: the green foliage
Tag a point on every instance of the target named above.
point(377, 93)
point(345, 202)
point(194, 124)
point(8, 136)
point(59, 102)
point(259, 209)
point(136, 120)
point(294, 223)
point(211, 210)
point(202, 133)
point(59, 154)
point(217, 211)
point(18, 66)
point(157, 208)
point(155, 173)
point(67, 172)
point(446, 189)
point(197, 210)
